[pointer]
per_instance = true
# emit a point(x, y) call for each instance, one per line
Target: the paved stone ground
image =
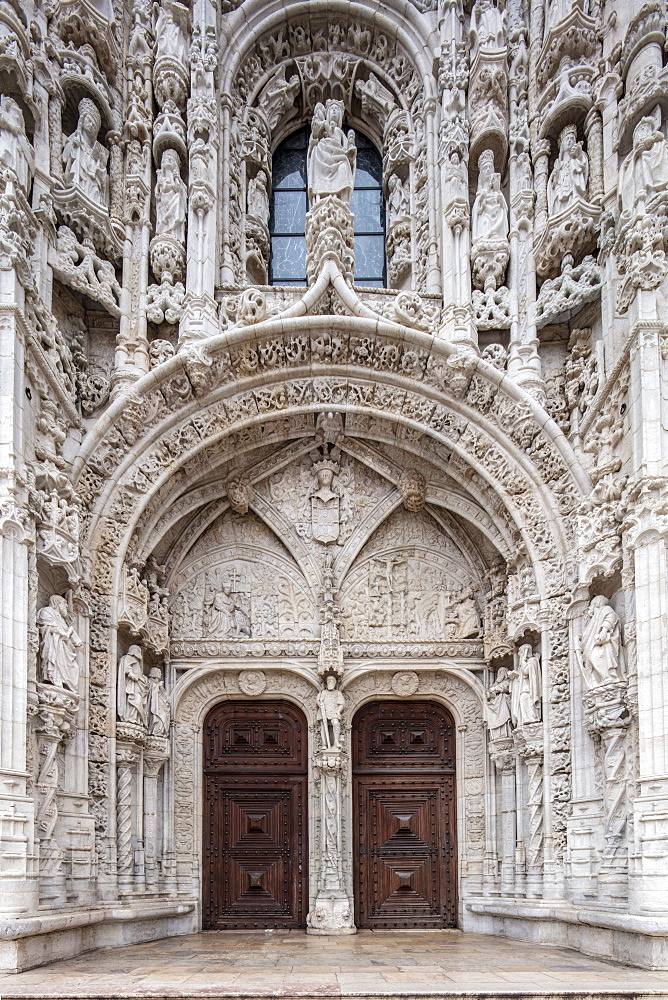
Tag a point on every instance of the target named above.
point(372, 964)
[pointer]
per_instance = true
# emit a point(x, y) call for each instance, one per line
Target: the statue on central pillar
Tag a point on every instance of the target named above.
point(330, 703)
point(331, 155)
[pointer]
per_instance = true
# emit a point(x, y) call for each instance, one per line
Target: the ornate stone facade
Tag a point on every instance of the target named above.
point(451, 488)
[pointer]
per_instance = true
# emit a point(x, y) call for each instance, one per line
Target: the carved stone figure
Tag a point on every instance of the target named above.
point(488, 27)
point(644, 172)
point(525, 694)
point(278, 97)
point(159, 712)
point(84, 158)
point(133, 688)
point(397, 200)
point(257, 203)
point(330, 702)
point(489, 218)
point(331, 155)
point(171, 197)
point(497, 709)
point(568, 180)
point(468, 616)
point(600, 649)
point(16, 152)
point(58, 645)
point(557, 11)
point(325, 504)
point(170, 32)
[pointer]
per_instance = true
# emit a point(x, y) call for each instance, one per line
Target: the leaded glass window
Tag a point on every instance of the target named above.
point(289, 205)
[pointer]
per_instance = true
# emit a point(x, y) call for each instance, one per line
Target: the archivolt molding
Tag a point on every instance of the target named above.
point(472, 409)
point(263, 36)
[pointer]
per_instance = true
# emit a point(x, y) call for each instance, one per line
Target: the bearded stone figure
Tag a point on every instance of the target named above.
point(257, 201)
point(600, 648)
point(159, 713)
point(568, 180)
point(489, 218)
point(525, 688)
point(84, 158)
point(16, 153)
point(331, 155)
point(644, 172)
point(497, 709)
point(132, 694)
point(58, 645)
point(171, 196)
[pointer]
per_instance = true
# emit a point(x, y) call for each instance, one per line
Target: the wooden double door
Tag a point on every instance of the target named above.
point(255, 833)
point(255, 815)
point(404, 815)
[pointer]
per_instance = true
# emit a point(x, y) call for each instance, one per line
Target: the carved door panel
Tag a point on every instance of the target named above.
point(255, 845)
point(404, 805)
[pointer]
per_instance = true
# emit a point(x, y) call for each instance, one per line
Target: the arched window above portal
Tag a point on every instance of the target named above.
point(289, 205)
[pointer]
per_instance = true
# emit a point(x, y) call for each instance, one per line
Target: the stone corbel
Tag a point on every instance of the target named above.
point(572, 231)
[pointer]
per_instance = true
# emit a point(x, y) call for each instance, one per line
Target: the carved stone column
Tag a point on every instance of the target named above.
point(57, 708)
point(502, 752)
point(529, 743)
point(607, 719)
point(540, 166)
point(594, 131)
point(332, 910)
point(155, 756)
point(128, 750)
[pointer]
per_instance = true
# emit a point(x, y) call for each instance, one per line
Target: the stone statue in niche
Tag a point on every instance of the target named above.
point(133, 688)
point(488, 28)
point(330, 702)
point(16, 153)
point(489, 218)
point(171, 198)
point(568, 180)
point(525, 688)
point(331, 155)
point(58, 645)
point(171, 32)
point(278, 97)
point(159, 714)
point(257, 200)
point(325, 504)
point(85, 159)
point(397, 200)
point(600, 647)
point(644, 172)
point(497, 709)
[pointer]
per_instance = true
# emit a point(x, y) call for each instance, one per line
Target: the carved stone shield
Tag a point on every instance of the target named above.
point(325, 518)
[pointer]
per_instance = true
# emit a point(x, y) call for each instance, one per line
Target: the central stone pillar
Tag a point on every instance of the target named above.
point(332, 911)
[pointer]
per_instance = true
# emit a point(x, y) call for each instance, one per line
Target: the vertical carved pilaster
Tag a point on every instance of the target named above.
point(529, 742)
point(502, 753)
point(607, 719)
point(332, 911)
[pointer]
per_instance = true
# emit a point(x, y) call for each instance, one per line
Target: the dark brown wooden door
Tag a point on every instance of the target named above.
point(255, 833)
point(404, 815)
